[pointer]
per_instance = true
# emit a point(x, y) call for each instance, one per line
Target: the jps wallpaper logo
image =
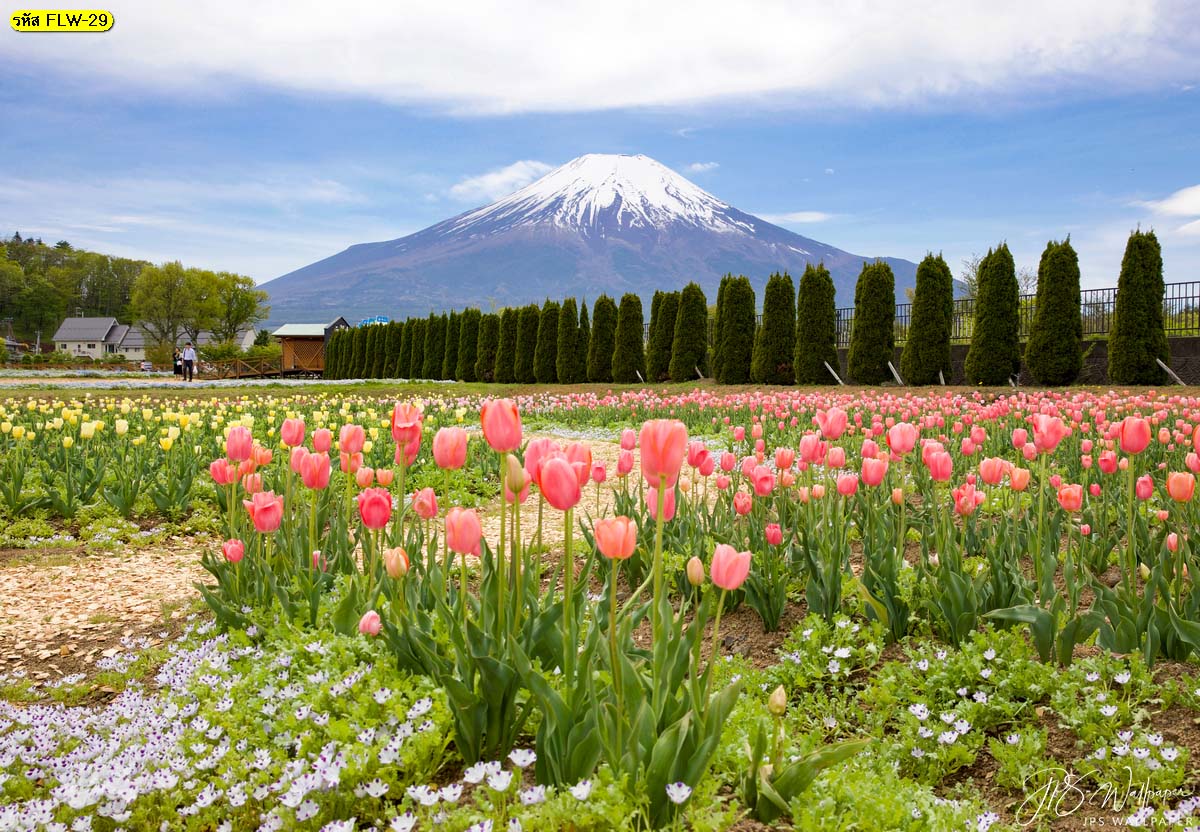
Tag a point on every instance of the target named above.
point(62, 20)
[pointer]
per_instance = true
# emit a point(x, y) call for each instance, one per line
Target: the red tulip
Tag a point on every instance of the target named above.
point(616, 537)
point(663, 443)
point(1134, 434)
point(559, 483)
point(1070, 497)
point(315, 470)
point(729, 567)
point(463, 531)
point(501, 425)
point(450, 448)
point(238, 444)
point(1181, 486)
point(265, 510)
point(233, 550)
point(292, 432)
point(375, 507)
point(425, 503)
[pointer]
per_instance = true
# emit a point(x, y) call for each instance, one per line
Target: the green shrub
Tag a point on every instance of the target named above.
point(629, 357)
point(545, 356)
point(816, 327)
point(1054, 353)
point(927, 349)
point(995, 353)
point(395, 342)
point(450, 358)
point(582, 338)
point(371, 334)
point(487, 347)
point(527, 339)
point(1138, 334)
point(737, 331)
point(717, 372)
point(662, 335)
point(600, 345)
point(565, 346)
point(689, 350)
point(435, 347)
point(468, 344)
point(360, 352)
point(404, 362)
point(504, 371)
point(873, 337)
point(775, 344)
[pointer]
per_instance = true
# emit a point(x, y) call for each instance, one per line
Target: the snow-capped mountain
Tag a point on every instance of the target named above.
point(600, 223)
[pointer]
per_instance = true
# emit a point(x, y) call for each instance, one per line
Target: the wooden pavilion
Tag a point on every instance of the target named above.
point(304, 345)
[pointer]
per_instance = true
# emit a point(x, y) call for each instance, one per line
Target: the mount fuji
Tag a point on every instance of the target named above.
point(598, 224)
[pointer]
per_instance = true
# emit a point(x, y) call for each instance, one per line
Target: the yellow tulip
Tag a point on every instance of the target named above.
point(18, 431)
point(172, 433)
point(87, 430)
point(122, 427)
point(367, 446)
point(166, 442)
point(68, 441)
point(5, 427)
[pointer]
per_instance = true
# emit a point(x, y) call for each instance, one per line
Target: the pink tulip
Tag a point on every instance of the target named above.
point(668, 503)
point(774, 534)
point(538, 450)
point(296, 458)
point(463, 531)
point(1070, 497)
point(742, 503)
point(406, 424)
point(265, 510)
point(1172, 542)
point(1018, 478)
point(992, 470)
point(696, 453)
point(784, 457)
point(395, 562)
point(1094, 489)
point(501, 425)
point(729, 567)
point(364, 476)
point(663, 443)
point(322, 440)
point(812, 449)
point(763, 480)
point(902, 438)
point(222, 472)
point(599, 475)
point(722, 482)
point(847, 485)
point(350, 462)
point(616, 537)
point(559, 483)
point(874, 470)
point(425, 503)
point(941, 466)
point(450, 448)
point(384, 476)
point(836, 458)
point(728, 461)
point(1085, 529)
point(370, 624)
point(739, 433)
point(238, 444)
point(579, 454)
point(1144, 487)
point(375, 507)
point(624, 463)
point(628, 439)
point(233, 550)
point(832, 423)
point(351, 439)
point(967, 499)
point(1020, 438)
point(707, 466)
point(1181, 486)
point(1134, 434)
point(1048, 431)
point(292, 432)
point(252, 483)
point(315, 470)
point(1192, 461)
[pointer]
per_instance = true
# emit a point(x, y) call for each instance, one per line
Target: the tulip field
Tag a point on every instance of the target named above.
point(616, 610)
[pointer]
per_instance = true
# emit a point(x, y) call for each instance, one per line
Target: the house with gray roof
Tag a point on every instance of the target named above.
point(96, 338)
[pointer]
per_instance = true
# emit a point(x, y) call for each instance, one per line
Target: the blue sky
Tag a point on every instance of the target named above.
point(265, 140)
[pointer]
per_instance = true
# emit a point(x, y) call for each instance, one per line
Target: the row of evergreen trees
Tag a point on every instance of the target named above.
point(796, 342)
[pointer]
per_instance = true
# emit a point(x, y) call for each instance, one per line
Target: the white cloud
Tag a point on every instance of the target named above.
point(490, 186)
point(522, 56)
point(1191, 229)
point(796, 217)
point(703, 167)
point(1183, 203)
point(829, 171)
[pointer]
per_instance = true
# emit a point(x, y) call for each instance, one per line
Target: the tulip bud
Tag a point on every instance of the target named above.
point(1085, 530)
point(897, 496)
point(1173, 542)
point(1144, 571)
point(777, 703)
point(514, 472)
point(395, 561)
point(695, 572)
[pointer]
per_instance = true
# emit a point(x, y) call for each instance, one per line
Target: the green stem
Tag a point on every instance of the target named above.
point(612, 649)
point(712, 660)
point(501, 554)
point(1130, 550)
point(571, 646)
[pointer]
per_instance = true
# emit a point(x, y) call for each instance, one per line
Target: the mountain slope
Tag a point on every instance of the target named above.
point(599, 223)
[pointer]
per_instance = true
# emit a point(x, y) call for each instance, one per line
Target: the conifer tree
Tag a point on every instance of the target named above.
point(775, 346)
point(527, 341)
point(450, 354)
point(582, 337)
point(995, 353)
point(504, 370)
point(565, 349)
point(1054, 353)
point(629, 357)
point(435, 347)
point(416, 368)
point(331, 351)
point(717, 370)
point(404, 362)
point(816, 327)
point(927, 348)
point(600, 345)
point(487, 347)
point(662, 337)
point(737, 330)
point(1138, 338)
point(689, 350)
point(873, 336)
point(545, 356)
point(468, 342)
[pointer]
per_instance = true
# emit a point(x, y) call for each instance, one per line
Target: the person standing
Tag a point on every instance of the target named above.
point(189, 361)
point(177, 362)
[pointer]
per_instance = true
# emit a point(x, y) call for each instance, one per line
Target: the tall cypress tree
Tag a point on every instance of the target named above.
point(504, 370)
point(927, 348)
point(873, 337)
point(565, 349)
point(416, 367)
point(600, 346)
point(527, 341)
point(662, 337)
point(737, 330)
point(545, 355)
point(360, 352)
point(995, 353)
point(816, 326)
point(487, 347)
point(395, 332)
point(775, 346)
point(1138, 336)
point(582, 337)
point(689, 348)
point(450, 356)
point(468, 343)
point(404, 362)
point(435, 347)
point(718, 318)
point(372, 351)
point(629, 356)
point(330, 368)
point(1054, 353)
point(655, 303)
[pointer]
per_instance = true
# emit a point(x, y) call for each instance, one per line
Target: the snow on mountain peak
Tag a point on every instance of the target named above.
point(599, 191)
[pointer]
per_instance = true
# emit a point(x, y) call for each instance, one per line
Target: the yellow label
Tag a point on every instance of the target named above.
point(61, 20)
